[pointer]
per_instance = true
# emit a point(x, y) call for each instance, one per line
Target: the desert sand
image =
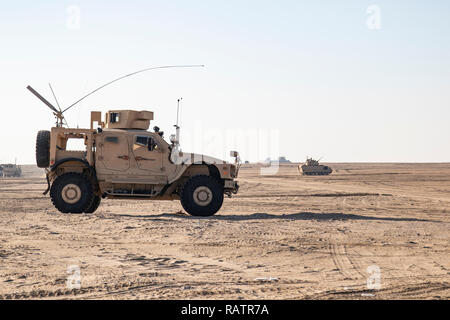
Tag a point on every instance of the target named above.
point(284, 236)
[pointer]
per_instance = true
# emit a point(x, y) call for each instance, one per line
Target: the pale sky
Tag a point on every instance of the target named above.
point(318, 78)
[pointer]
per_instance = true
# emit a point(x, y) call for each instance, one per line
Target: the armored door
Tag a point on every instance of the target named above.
point(113, 151)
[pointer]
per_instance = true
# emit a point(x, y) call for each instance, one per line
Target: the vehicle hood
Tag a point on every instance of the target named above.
point(196, 158)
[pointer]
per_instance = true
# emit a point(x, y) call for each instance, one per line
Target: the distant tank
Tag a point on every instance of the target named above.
point(11, 170)
point(313, 168)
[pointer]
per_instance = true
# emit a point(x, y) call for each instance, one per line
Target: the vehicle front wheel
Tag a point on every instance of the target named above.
point(202, 196)
point(72, 193)
point(94, 205)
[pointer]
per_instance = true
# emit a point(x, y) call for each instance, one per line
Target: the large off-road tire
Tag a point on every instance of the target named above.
point(43, 149)
point(94, 205)
point(202, 196)
point(72, 193)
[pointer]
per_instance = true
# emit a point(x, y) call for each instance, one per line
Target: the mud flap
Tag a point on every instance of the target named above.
point(48, 185)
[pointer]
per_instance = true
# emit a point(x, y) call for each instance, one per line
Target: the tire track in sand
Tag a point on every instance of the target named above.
point(344, 264)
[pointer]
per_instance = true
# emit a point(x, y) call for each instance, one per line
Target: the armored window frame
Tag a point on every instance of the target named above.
point(114, 117)
point(146, 141)
point(143, 141)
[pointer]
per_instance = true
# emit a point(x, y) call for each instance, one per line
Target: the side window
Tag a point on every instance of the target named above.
point(145, 141)
point(113, 117)
point(142, 141)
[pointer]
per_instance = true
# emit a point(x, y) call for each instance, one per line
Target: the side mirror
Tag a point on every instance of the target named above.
point(234, 154)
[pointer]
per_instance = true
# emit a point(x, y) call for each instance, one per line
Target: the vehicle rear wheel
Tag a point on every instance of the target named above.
point(202, 196)
point(43, 149)
point(94, 205)
point(72, 193)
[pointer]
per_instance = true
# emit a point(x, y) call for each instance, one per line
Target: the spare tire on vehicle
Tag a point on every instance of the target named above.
point(43, 149)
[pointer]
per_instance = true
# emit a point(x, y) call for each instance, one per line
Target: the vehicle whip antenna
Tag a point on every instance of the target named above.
point(59, 113)
point(57, 103)
point(178, 110)
point(131, 74)
point(54, 96)
point(176, 139)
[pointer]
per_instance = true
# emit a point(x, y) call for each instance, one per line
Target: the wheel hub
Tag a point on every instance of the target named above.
point(203, 196)
point(71, 193)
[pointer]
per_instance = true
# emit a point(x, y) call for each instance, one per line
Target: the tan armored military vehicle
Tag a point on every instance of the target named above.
point(10, 170)
point(122, 160)
point(313, 168)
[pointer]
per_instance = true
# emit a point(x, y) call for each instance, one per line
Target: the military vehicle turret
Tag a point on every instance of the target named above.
point(313, 168)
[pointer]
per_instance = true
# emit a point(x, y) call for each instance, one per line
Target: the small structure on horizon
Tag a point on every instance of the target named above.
point(283, 160)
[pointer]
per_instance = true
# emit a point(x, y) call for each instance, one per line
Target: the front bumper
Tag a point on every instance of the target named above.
point(231, 186)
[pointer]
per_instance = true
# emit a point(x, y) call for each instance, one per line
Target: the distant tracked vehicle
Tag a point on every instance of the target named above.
point(313, 168)
point(10, 170)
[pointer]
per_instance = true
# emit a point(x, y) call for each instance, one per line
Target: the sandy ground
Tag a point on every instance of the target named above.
point(282, 237)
